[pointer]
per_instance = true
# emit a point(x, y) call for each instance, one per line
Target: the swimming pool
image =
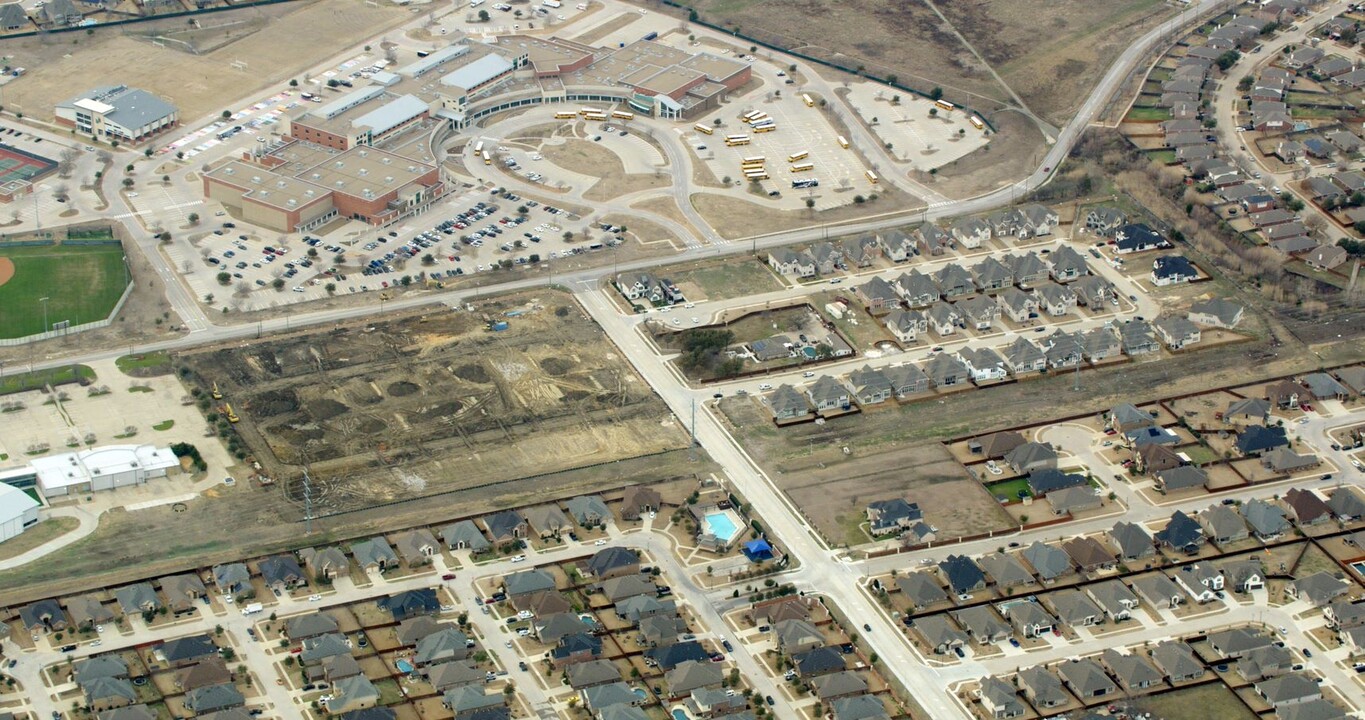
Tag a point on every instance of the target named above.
point(680, 714)
point(640, 693)
point(403, 666)
point(809, 352)
point(1359, 566)
point(722, 526)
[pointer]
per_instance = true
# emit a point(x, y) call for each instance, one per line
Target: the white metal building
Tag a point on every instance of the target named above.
point(102, 468)
point(17, 511)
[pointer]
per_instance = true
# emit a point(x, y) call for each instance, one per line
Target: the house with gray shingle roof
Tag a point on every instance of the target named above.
point(1288, 690)
point(599, 697)
point(465, 535)
point(1177, 661)
point(300, 627)
point(547, 520)
point(1024, 357)
point(1267, 520)
point(527, 582)
point(374, 554)
point(441, 646)
point(1000, 699)
point(1223, 524)
point(791, 264)
point(962, 574)
point(943, 318)
point(828, 394)
point(1132, 671)
point(906, 325)
point(1182, 477)
point(1318, 589)
point(1056, 300)
point(921, 589)
point(918, 289)
point(1158, 590)
point(417, 546)
point(327, 563)
point(1075, 608)
point(1234, 643)
point(877, 295)
point(971, 232)
point(1087, 679)
point(1005, 570)
point(946, 370)
point(588, 510)
point(137, 599)
point(954, 281)
point(693, 674)
point(837, 685)
point(859, 707)
point(870, 385)
point(592, 672)
point(897, 246)
point(991, 274)
point(939, 634)
point(1048, 562)
point(1132, 541)
point(1042, 688)
point(982, 624)
point(1032, 457)
point(1016, 304)
point(1067, 264)
point(787, 403)
point(1114, 598)
point(505, 526)
point(979, 312)
point(1029, 269)
point(1176, 331)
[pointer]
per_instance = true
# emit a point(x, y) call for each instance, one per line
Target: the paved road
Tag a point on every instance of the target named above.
point(1226, 96)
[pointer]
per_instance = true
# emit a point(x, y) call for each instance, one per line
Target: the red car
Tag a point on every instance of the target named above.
point(448, 576)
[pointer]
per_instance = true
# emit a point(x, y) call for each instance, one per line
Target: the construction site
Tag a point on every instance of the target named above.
point(429, 404)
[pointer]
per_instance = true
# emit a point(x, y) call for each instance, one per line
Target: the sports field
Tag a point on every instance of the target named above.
point(82, 284)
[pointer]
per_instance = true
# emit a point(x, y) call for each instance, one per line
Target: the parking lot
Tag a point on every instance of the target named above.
point(473, 232)
point(839, 171)
point(912, 134)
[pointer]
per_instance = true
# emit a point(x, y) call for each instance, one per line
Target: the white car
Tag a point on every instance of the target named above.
point(765, 386)
point(314, 598)
point(518, 558)
point(601, 541)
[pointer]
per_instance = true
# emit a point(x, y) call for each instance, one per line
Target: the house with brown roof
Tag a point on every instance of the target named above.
point(1307, 507)
point(1088, 554)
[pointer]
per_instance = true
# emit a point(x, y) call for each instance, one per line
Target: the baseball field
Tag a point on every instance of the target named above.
point(82, 284)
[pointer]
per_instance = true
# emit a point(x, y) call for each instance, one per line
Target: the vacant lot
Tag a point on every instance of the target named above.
point(82, 284)
point(435, 403)
point(713, 280)
point(291, 36)
point(833, 488)
point(1051, 70)
point(1211, 702)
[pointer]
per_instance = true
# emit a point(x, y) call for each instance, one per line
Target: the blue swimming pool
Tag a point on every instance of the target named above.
point(722, 526)
point(680, 714)
point(640, 693)
point(403, 666)
point(809, 352)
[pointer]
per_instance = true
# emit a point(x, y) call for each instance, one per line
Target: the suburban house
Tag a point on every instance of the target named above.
point(1173, 269)
point(1217, 312)
point(791, 264)
point(892, 516)
point(1177, 660)
point(1104, 220)
point(1114, 598)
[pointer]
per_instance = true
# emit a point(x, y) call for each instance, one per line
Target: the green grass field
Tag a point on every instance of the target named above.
point(83, 284)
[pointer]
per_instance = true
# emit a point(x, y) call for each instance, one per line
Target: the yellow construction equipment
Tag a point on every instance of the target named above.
point(227, 411)
point(216, 394)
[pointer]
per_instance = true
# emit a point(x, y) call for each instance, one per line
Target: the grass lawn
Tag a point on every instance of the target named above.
point(45, 531)
point(1314, 113)
point(83, 283)
point(20, 382)
point(1165, 157)
point(1199, 455)
point(164, 425)
point(1214, 702)
point(727, 280)
point(1140, 114)
point(129, 363)
point(1008, 489)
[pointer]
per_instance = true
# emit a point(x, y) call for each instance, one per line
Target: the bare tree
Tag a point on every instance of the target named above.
point(62, 192)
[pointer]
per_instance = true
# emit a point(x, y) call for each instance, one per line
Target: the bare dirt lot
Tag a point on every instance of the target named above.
point(275, 43)
point(429, 404)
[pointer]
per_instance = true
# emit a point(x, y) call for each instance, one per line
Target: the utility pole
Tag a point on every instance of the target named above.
point(307, 503)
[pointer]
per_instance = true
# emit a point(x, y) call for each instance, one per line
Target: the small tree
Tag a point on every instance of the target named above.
point(223, 279)
point(483, 16)
point(933, 112)
point(193, 218)
point(226, 114)
point(936, 94)
point(277, 283)
point(127, 182)
point(293, 83)
point(331, 288)
point(147, 152)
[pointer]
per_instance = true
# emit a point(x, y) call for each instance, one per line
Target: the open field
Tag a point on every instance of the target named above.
point(432, 404)
point(587, 158)
point(82, 282)
point(732, 217)
point(1214, 702)
point(715, 280)
point(833, 489)
point(1050, 71)
point(291, 36)
point(45, 531)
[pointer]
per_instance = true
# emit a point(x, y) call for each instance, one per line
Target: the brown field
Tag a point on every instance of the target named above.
point(1051, 71)
point(594, 160)
point(275, 42)
point(401, 409)
point(808, 463)
point(735, 218)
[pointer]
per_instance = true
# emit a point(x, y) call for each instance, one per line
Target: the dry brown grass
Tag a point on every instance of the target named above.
point(294, 36)
point(593, 160)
